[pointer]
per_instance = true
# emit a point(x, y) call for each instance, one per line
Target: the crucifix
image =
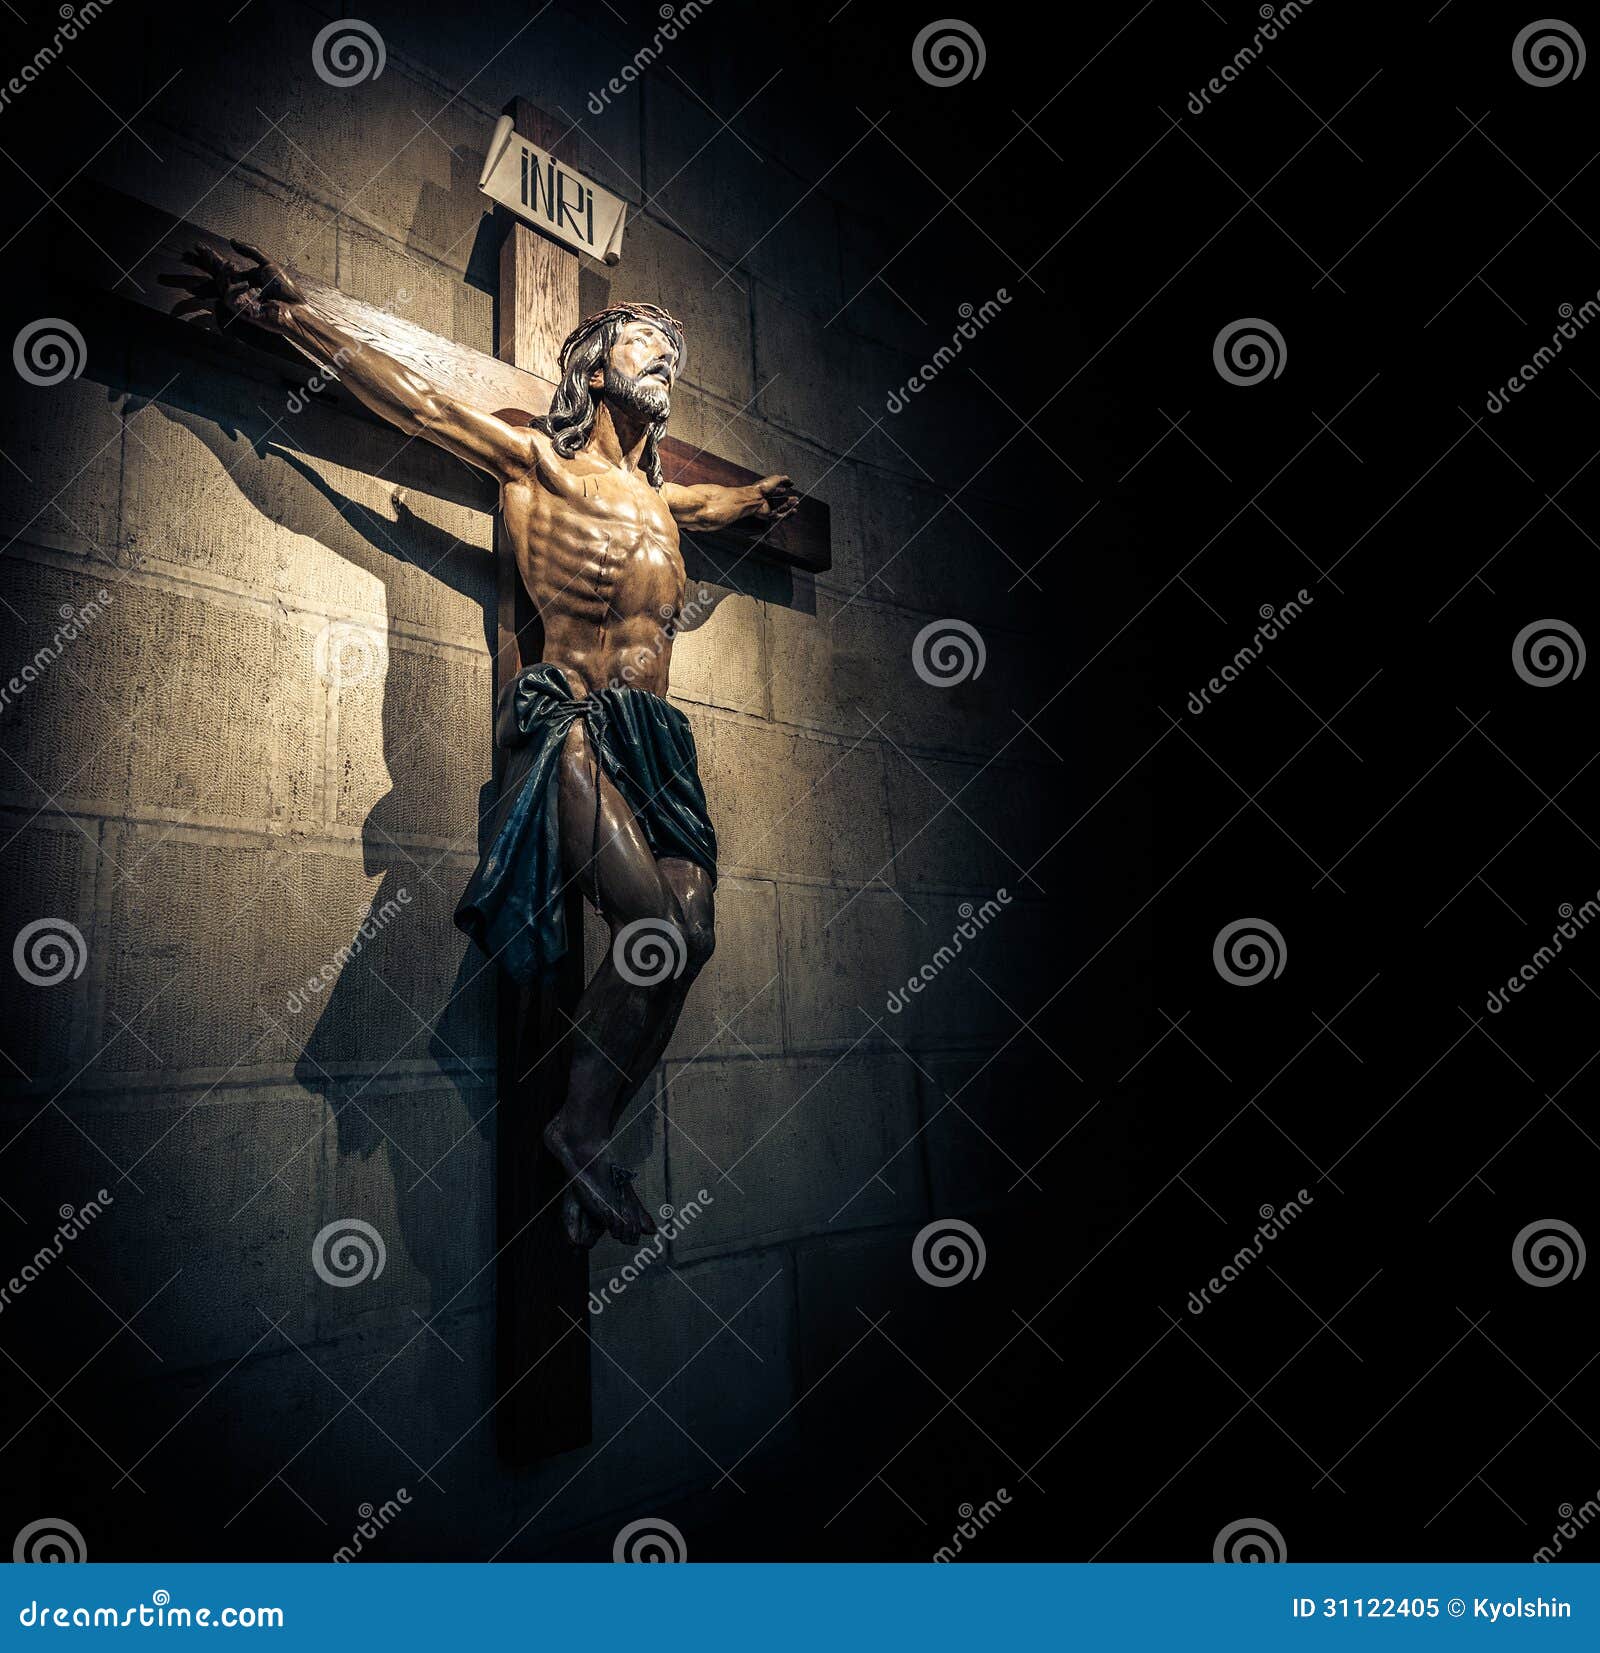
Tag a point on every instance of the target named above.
point(600, 796)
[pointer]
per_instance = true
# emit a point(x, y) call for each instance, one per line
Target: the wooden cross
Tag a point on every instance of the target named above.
point(542, 1288)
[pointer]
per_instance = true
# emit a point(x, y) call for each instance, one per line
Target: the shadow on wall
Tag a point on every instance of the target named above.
point(376, 1005)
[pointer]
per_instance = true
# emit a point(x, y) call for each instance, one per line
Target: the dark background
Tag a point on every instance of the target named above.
point(1381, 786)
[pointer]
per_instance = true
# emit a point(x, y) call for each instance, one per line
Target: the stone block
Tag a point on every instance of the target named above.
point(843, 951)
point(47, 879)
point(735, 1007)
point(786, 805)
point(65, 445)
point(807, 1147)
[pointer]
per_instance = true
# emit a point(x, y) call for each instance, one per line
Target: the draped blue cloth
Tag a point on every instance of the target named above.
point(514, 906)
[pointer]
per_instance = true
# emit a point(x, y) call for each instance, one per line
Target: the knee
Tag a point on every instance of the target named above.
point(658, 949)
point(700, 940)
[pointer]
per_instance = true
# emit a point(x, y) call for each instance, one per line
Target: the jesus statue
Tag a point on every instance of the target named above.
point(602, 787)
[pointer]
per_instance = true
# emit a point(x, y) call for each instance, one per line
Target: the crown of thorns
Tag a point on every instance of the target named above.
point(653, 313)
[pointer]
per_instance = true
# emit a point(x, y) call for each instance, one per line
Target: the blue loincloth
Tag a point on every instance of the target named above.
point(514, 905)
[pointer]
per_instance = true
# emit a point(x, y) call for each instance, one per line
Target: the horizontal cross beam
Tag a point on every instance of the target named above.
point(148, 243)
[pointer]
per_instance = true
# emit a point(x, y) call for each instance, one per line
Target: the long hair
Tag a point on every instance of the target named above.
point(574, 406)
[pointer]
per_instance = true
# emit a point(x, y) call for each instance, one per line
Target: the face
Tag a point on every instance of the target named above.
point(640, 370)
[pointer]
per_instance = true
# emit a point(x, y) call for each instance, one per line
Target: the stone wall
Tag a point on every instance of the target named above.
point(280, 723)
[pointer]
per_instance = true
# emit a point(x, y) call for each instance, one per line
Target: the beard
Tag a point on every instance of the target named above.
point(647, 400)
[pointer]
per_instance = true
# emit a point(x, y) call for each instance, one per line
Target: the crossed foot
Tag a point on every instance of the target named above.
point(600, 1195)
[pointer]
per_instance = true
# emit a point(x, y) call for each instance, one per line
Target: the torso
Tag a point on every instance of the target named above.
point(598, 551)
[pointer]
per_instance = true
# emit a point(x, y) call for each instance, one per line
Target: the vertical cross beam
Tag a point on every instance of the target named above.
point(542, 1350)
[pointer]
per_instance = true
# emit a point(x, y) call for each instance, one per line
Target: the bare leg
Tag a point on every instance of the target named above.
point(618, 1019)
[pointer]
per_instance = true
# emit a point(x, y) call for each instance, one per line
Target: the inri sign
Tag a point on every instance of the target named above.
point(550, 196)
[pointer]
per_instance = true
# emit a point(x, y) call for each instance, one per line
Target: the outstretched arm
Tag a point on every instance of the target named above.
point(707, 507)
point(266, 296)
